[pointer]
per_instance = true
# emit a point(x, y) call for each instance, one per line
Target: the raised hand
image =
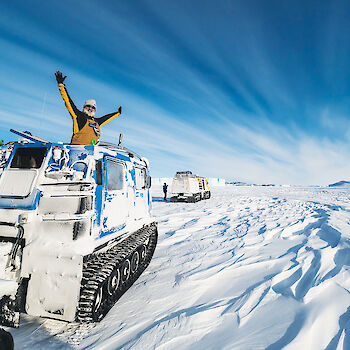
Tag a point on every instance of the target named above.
point(59, 77)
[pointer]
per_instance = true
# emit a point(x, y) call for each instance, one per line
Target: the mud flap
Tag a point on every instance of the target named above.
point(9, 312)
point(9, 284)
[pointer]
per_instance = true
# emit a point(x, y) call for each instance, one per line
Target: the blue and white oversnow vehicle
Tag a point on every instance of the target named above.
point(76, 228)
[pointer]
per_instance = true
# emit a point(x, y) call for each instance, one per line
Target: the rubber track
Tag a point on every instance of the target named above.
point(98, 267)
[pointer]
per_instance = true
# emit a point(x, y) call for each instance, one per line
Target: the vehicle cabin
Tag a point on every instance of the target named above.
point(62, 208)
point(188, 187)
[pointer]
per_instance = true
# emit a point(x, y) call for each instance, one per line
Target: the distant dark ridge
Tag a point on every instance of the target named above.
point(340, 184)
point(239, 183)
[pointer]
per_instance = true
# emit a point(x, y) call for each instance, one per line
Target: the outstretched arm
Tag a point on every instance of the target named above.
point(108, 117)
point(72, 109)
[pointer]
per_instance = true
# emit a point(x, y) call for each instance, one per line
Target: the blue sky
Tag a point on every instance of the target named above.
point(255, 91)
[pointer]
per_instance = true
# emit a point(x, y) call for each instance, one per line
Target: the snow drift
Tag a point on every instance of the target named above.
point(250, 268)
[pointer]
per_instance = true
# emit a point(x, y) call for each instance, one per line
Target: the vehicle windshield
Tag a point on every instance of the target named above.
point(28, 158)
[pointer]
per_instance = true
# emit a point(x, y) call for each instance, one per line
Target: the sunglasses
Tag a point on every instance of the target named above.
point(88, 106)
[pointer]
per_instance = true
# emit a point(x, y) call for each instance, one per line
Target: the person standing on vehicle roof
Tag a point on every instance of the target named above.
point(86, 128)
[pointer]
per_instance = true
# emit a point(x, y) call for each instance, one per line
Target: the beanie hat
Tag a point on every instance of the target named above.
point(90, 103)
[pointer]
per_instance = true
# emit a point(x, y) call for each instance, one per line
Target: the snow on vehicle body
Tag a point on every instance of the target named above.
point(75, 228)
point(189, 187)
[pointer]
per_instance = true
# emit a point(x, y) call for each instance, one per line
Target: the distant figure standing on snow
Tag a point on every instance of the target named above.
point(6, 340)
point(86, 128)
point(165, 190)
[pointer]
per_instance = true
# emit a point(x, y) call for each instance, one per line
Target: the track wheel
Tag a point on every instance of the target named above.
point(113, 281)
point(125, 270)
point(135, 259)
point(97, 313)
point(142, 252)
point(191, 199)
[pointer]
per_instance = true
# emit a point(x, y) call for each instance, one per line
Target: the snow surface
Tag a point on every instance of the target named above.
point(250, 268)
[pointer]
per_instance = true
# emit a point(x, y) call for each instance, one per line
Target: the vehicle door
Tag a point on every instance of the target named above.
point(142, 197)
point(115, 207)
point(201, 185)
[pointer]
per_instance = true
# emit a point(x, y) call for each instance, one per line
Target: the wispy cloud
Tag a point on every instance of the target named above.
point(226, 89)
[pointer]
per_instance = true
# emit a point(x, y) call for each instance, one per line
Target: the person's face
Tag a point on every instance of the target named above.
point(89, 110)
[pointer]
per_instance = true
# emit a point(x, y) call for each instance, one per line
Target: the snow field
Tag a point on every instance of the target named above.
point(250, 268)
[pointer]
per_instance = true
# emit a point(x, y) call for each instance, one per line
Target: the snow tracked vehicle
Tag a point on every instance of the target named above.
point(75, 228)
point(187, 187)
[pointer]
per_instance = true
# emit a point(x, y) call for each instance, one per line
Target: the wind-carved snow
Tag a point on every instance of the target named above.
point(250, 268)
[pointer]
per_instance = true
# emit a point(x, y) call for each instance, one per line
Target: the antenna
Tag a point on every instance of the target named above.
point(42, 110)
point(120, 139)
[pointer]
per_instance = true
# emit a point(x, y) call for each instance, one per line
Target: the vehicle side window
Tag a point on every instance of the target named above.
point(98, 172)
point(114, 175)
point(140, 178)
point(148, 181)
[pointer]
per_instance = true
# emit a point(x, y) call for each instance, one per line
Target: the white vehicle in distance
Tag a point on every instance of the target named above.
point(188, 187)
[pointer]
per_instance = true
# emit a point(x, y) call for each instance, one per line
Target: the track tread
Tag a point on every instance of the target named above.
point(98, 267)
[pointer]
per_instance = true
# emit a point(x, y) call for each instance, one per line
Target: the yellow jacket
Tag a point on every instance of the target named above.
point(86, 129)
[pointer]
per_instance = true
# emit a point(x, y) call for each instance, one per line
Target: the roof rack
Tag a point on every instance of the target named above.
point(180, 174)
point(112, 146)
point(184, 172)
point(115, 147)
point(29, 136)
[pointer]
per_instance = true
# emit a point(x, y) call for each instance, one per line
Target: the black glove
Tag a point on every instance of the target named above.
point(120, 110)
point(59, 77)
